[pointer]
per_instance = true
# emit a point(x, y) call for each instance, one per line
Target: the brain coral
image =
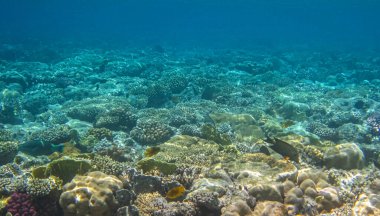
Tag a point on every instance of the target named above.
point(344, 156)
point(92, 194)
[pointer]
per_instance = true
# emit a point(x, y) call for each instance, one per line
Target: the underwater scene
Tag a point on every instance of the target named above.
point(189, 108)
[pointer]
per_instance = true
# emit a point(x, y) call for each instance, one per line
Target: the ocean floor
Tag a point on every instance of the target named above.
point(169, 132)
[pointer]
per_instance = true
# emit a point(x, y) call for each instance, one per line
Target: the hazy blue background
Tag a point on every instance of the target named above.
point(235, 23)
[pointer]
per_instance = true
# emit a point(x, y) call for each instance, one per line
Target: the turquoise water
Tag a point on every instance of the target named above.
point(189, 107)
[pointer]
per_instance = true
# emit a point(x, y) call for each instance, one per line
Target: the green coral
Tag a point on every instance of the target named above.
point(150, 164)
point(64, 168)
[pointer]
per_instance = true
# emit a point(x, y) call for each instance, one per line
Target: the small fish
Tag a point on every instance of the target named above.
point(151, 151)
point(175, 192)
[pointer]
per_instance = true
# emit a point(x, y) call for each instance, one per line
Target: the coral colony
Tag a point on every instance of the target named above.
point(162, 132)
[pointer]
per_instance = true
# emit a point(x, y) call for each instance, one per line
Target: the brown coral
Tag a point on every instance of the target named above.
point(92, 194)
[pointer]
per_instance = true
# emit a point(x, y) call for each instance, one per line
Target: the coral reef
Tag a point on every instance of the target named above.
point(42, 187)
point(344, 156)
point(8, 151)
point(108, 166)
point(92, 194)
point(64, 168)
point(148, 203)
point(21, 204)
point(373, 122)
point(163, 131)
point(368, 202)
point(151, 132)
point(48, 140)
point(116, 119)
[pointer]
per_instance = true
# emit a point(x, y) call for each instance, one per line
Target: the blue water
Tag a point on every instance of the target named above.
point(224, 23)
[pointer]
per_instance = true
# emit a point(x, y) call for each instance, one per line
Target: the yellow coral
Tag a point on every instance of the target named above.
point(92, 194)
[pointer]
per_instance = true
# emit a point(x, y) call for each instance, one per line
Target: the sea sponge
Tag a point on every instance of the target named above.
point(92, 194)
point(344, 156)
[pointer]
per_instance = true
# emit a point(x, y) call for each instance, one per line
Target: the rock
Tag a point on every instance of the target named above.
point(127, 211)
point(147, 184)
point(125, 197)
